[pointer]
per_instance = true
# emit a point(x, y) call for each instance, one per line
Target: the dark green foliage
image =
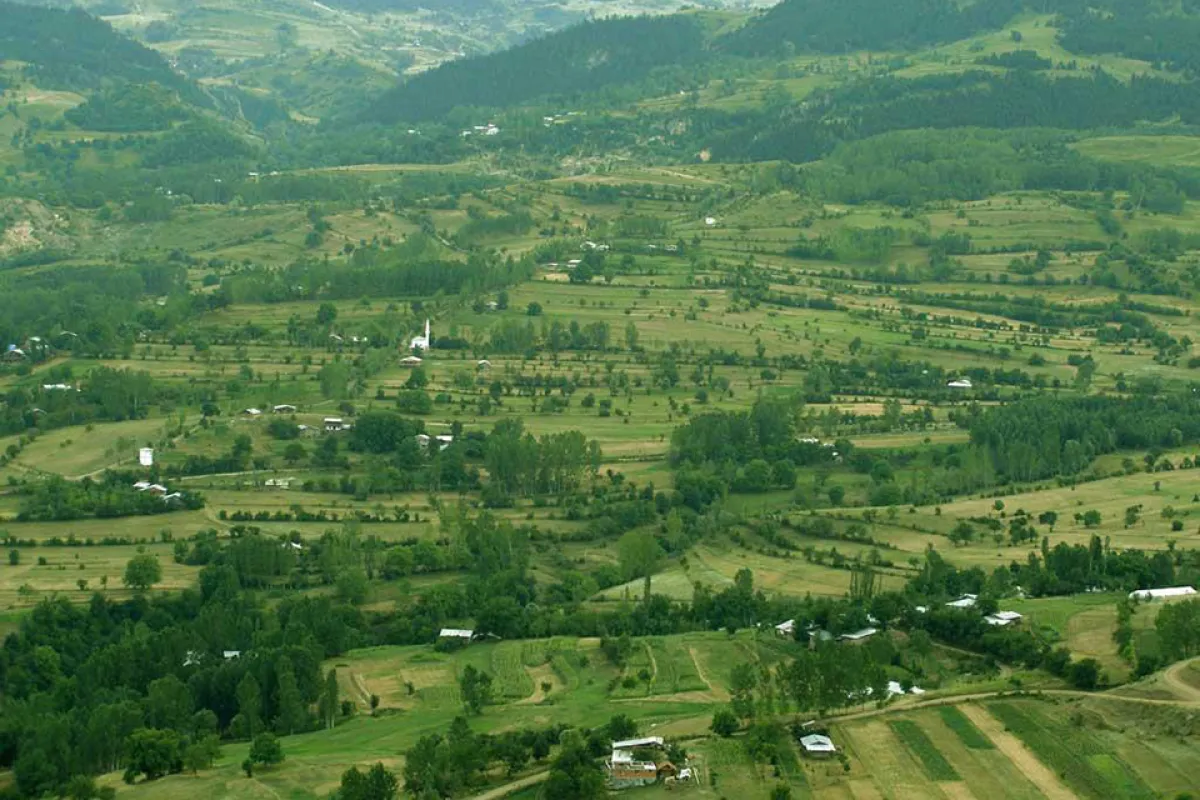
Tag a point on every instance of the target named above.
point(585, 58)
point(266, 750)
point(1017, 59)
point(199, 141)
point(967, 733)
point(377, 783)
point(920, 745)
point(72, 49)
point(838, 26)
point(128, 108)
point(1158, 32)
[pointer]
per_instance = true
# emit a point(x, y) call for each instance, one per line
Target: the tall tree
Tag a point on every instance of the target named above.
point(249, 700)
point(328, 704)
point(640, 556)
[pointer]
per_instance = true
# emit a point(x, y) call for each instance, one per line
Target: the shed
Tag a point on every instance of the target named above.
point(483, 363)
point(231, 654)
point(961, 383)
point(786, 628)
point(283, 409)
point(456, 633)
point(966, 601)
point(645, 741)
point(334, 424)
point(411, 361)
point(1002, 618)
point(252, 412)
point(1162, 594)
point(859, 636)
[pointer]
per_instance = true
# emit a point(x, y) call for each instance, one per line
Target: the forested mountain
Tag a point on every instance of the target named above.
point(835, 26)
point(585, 58)
point(71, 49)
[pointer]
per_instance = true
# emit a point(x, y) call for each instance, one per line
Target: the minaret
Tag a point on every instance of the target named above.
point(427, 331)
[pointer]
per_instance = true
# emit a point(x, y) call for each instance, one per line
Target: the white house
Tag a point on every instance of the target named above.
point(817, 744)
point(966, 601)
point(456, 633)
point(146, 456)
point(56, 387)
point(1162, 594)
point(231, 654)
point(335, 424)
point(961, 383)
point(1002, 618)
point(483, 363)
point(710, 221)
point(411, 361)
point(786, 628)
point(421, 342)
point(252, 412)
point(283, 409)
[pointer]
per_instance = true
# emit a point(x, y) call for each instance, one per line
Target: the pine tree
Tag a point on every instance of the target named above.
point(328, 703)
point(292, 715)
point(249, 698)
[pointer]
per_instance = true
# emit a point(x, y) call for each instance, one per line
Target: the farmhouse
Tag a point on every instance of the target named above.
point(483, 364)
point(146, 456)
point(411, 361)
point(14, 353)
point(283, 409)
point(1162, 594)
point(252, 412)
point(57, 387)
point(279, 483)
point(786, 629)
point(231, 654)
point(335, 424)
point(625, 771)
point(966, 601)
point(961, 383)
point(817, 745)
point(1002, 618)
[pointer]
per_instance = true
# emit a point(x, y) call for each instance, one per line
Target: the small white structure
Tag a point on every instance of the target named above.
point(421, 342)
point(966, 601)
point(483, 363)
point(456, 633)
point(1162, 594)
point(146, 457)
point(57, 387)
point(859, 636)
point(279, 483)
point(817, 744)
point(411, 361)
point(1002, 618)
point(710, 221)
point(961, 383)
point(231, 654)
point(14, 353)
point(283, 409)
point(334, 424)
point(786, 628)
point(253, 412)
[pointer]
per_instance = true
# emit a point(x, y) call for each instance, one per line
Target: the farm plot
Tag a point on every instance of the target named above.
point(920, 745)
point(1083, 762)
point(508, 671)
point(966, 731)
point(675, 669)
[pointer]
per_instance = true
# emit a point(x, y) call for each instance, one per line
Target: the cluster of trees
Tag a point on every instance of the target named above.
point(520, 464)
point(143, 685)
point(415, 267)
point(1042, 437)
point(103, 393)
point(54, 498)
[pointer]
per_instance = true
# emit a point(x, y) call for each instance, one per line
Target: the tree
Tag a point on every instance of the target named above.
point(377, 783)
point(266, 750)
point(153, 753)
point(575, 775)
point(1084, 674)
point(1178, 626)
point(294, 453)
point(724, 722)
point(476, 689)
point(142, 572)
point(639, 554)
point(1048, 518)
point(201, 755)
point(293, 715)
point(417, 379)
point(328, 703)
point(352, 586)
point(781, 792)
point(14, 558)
point(249, 700)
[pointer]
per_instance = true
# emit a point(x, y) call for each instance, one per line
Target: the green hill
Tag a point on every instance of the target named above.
point(586, 58)
point(70, 49)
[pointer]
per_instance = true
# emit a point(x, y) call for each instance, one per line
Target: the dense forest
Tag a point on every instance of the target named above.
point(585, 58)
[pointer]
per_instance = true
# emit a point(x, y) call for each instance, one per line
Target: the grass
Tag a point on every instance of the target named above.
point(966, 731)
point(920, 745)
